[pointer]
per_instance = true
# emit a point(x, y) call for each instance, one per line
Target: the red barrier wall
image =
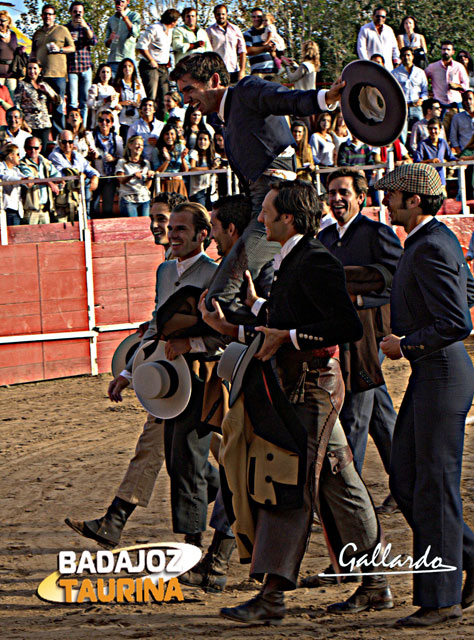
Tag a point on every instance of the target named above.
point(43, 290)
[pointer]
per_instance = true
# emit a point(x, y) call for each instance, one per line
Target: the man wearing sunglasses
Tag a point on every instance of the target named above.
point(64, 157)
point(51, 44)
point(378, 37)
point(38, 203)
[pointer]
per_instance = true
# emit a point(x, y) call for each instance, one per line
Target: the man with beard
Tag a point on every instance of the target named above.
point(448, 78)
point(227, 40)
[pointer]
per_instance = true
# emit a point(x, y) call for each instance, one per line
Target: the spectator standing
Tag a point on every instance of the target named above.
point(304, 76)
point(36, 98)
point(202, 157)
point(378, 37)
point(465, 58)
point(431, 109)
point(408, 35)
point(38, 201)
point(8, 45)
point(130, 89)
point(462, 124)
point(79, 64)
point(448, 78)
point(108, 150)
point(322, 143)
point(339, 130)
point(154, 47)
point(260, 54)
point(135, 176)
point(434, 149)
point(6, 103)
point(414, 85)
point(14, 131)
point(121, 33)
point(11, 204)
point(51, 44)
point(102, 95)
point(148, 127)
point(304, 155)
point(189, 38)
point(228, 41)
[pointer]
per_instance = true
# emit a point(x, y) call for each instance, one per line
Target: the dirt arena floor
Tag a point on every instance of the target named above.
point(64, 450)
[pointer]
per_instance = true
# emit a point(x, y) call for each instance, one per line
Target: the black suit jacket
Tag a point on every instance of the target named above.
point(433, 289)
point(309, 294)
point(255, 131)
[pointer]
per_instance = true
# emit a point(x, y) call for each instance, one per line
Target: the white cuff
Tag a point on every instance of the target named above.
point(197, 345)
point(322, 101)
point(126, 374)
point(241, 334)
point(257, 305)
point(294, 339)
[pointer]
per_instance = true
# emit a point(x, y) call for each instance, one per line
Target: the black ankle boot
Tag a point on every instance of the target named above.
point(194, 538)
point(108, 529)
point(211, 572)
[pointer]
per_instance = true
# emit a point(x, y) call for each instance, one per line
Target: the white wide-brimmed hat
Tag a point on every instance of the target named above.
point(124, 352)
point(163, 386)
point(234, 362)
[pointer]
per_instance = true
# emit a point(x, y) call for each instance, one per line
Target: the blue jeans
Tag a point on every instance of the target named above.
point(13, 218)
point(79, 85)
point(134, 209)
point(59, 120)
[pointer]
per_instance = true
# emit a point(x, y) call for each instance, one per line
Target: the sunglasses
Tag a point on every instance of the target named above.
point(67, 141)
point(378, 15)
point(3, 21)
point(31, 148)
point(48, 13)
point(104, 120)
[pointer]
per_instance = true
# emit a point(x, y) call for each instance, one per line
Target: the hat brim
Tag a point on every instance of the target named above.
point(241, 367)
point(364, 73)
point(124, 352)
point(164, 408)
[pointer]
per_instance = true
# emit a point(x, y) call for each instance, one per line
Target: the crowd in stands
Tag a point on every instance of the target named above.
point(125, 122)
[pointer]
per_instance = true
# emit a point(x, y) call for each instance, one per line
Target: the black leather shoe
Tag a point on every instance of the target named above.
point(427, 617)
point(268, 609)
point(365, 598)
point(388, 506)
point(313, 582)
point(106, 531)
point(468, 590)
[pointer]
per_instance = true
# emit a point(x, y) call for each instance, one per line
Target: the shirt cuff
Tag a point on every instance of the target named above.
point(197, 345)
point(294, 339)
point(241, 334)
point(126, 374)
point(322, 101)
point(257, 305)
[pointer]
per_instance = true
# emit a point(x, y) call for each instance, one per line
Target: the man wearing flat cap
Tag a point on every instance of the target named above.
point(431, 294)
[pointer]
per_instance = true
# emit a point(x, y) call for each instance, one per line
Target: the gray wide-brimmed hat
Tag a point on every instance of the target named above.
point(163, 386)
point(234, 362)
point(124, 352)
point(372, 103)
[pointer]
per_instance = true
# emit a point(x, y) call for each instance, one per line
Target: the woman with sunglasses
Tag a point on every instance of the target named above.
point(102, 95)
point(36, 98)
point(108, 150)
point(135, 177)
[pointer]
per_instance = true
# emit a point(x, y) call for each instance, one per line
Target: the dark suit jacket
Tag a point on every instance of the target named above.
point(432, 291)
point(309, 294)
point(370, 244)
point(255, 131)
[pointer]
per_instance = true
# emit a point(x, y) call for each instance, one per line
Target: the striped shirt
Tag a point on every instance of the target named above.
point(261, 62)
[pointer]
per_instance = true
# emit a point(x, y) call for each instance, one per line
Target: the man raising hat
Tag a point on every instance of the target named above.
point(431, 294)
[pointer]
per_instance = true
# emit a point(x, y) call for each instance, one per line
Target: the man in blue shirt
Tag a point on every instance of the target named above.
point(433, 150)
point(414, 84)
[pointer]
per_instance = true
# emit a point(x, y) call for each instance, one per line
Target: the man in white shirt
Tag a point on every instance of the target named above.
point(147, 126)
point(154, 47)
point(377, 37)
point(228, 41)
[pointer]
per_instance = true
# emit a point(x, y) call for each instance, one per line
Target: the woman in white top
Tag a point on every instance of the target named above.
point(130, 89)
point(9, 161)
point(135, 176)
point(83, 140)
point(339, 131)
point(304, 76)
point(322, 144)
point(203, 157)
point(408, 35)
point(102, 95)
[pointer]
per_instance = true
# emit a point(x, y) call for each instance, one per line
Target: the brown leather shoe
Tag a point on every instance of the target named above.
point(467, 598)
point(316, 581)
point(427, 617)
point(268, 609)
point(365, 598)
